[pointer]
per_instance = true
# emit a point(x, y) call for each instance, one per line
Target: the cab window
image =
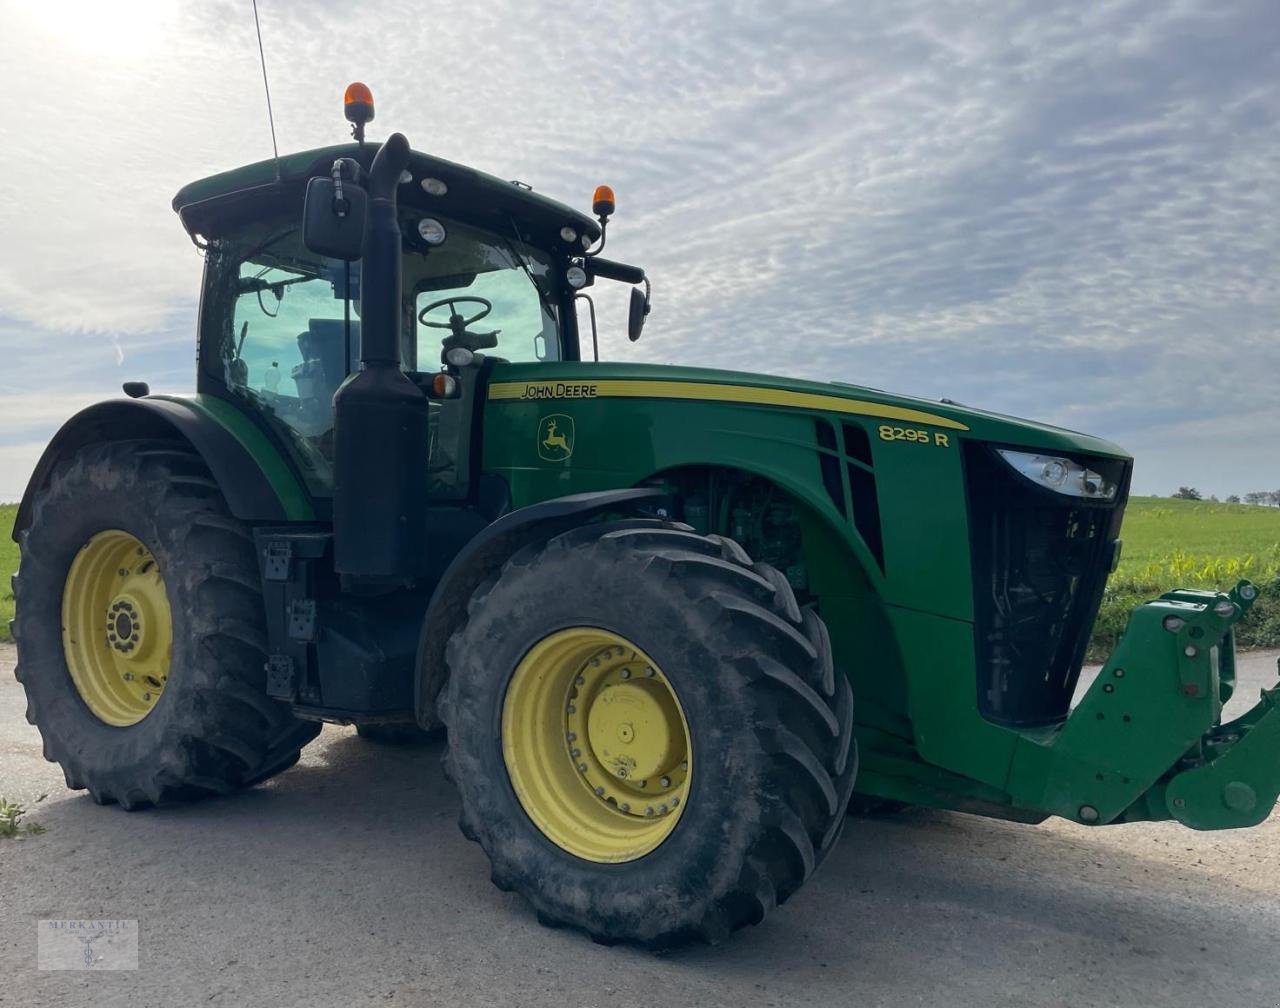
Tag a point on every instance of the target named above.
point(501, 282)
point(287, 349)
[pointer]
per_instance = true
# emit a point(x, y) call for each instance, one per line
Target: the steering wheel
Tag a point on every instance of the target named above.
point(457, 324)
point(456, 321)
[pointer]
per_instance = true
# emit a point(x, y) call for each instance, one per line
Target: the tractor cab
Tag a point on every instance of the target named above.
point(486, 271)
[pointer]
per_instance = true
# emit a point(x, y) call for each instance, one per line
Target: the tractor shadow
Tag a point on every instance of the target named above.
point(363, 837)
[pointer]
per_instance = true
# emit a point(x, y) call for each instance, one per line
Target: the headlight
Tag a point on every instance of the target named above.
point(459, 356)
point(431, 230)
point(1061, 475)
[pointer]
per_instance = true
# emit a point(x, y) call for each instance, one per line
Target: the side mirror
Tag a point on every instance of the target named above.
point(636, 316)
point(333, 218)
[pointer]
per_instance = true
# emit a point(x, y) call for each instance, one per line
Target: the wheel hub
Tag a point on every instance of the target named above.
point(629, 729)
point(612, 785)
point(117, 633)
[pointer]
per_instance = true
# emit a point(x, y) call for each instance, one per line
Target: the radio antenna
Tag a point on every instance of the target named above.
point(275, 151)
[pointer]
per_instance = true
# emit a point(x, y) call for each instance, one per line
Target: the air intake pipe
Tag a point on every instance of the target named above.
point(379, 415)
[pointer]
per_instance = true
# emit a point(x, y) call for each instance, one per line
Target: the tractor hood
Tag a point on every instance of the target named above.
point(569, 380)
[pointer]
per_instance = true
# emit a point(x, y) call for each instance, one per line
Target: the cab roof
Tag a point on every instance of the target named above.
point(209, 205)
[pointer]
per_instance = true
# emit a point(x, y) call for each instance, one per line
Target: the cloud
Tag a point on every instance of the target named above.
point(1067, 211)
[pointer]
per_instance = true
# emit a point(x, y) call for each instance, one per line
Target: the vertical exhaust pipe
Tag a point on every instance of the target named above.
point(380, 416)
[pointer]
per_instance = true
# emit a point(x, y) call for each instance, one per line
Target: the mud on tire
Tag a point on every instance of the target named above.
point(213, 729)
point(770, 724)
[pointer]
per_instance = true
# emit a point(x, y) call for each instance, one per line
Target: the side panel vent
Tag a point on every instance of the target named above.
point(866, 509)
point(856, 444)
point(830, 465)
point(850, 481)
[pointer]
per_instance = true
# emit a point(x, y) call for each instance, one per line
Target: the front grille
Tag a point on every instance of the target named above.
point(1040, 562)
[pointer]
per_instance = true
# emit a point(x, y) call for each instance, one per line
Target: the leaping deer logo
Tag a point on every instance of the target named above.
point(555, 437)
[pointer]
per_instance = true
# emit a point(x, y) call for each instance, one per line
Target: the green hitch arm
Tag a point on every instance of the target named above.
point(1238, 781)
point(1146, 741)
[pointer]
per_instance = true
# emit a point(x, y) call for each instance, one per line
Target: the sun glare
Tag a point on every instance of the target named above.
point(123, 28)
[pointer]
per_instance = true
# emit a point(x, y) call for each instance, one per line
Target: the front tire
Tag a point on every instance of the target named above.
point(756, 720)
point(141, 631)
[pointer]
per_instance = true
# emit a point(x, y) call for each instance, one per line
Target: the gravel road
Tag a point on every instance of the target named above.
point(346, 881)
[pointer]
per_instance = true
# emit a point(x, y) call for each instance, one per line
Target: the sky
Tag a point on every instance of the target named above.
point(1068, 212)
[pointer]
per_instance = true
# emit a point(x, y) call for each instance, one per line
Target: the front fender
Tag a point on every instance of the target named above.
point(486, 553)
point(252, 474)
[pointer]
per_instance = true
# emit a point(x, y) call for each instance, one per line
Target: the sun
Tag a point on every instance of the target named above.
point(120, 29)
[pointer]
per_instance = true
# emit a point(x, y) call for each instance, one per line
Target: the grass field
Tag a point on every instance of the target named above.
point(1194, 544)
point(1167, 544)
point(8, 564)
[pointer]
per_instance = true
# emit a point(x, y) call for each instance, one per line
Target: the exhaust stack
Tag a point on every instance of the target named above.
point(380, 416)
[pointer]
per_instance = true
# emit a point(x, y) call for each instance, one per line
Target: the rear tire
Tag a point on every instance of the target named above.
point(769, 727)
point(213, 728)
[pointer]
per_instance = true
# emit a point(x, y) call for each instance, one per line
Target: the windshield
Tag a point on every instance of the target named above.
point(288, 320)
point(500, 279)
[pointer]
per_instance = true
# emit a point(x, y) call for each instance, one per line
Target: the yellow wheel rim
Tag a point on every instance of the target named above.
point(596, 745)
point(117, 632)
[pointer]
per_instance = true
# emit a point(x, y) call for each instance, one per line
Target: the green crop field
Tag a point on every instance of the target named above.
point(1194, 544)
point(8, 564)
point(1167, 544)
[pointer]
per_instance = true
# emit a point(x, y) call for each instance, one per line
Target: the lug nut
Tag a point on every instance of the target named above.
point(582, 768)
point(572, 737)
point(675, 800)
point(573, 709)
point(599, 792)
point(626, 673)
point(581, 681)
point(575, 753)
point(648, 671)
point(625, 807)
point(649, 811)
point(666, 782)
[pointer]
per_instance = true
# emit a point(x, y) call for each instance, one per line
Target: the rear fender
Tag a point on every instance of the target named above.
point(252, 474)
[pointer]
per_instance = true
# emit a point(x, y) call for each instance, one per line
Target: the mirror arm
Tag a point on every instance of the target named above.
point(611, 270)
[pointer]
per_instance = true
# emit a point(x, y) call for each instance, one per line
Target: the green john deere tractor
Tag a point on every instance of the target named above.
point(673, 618)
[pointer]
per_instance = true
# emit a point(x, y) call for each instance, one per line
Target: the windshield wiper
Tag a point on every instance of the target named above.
point(511, 250)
